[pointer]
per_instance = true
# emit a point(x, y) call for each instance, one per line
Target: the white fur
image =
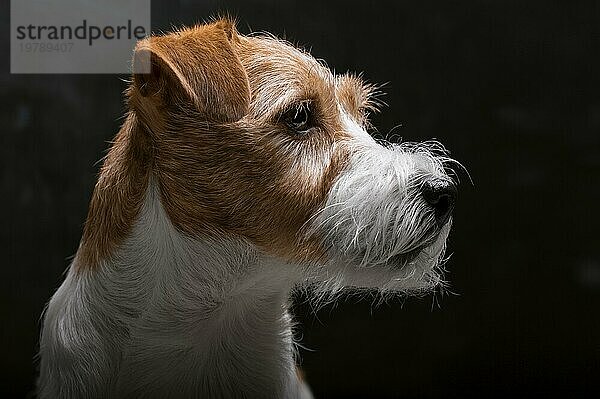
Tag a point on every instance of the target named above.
point(375, 213)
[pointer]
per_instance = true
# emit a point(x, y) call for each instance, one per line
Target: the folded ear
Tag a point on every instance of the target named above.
point(196, 64)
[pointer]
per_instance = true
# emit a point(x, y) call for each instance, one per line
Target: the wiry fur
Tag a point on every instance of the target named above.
point(209, 211)
point(172, 317)
point(388, 240)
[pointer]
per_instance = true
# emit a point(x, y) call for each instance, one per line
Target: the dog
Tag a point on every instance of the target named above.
point(243, 171)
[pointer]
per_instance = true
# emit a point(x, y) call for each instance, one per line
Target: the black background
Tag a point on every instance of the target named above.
point(512, 88)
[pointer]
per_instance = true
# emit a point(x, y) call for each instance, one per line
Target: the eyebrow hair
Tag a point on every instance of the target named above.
point(285, 96)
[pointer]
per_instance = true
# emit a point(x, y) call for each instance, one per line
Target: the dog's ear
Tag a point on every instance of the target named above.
point(196, 64)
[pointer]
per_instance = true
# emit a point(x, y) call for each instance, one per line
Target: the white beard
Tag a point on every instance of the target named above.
point(377, 229)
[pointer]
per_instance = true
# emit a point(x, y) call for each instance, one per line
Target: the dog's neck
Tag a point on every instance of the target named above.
point(208, 314)
point(213, 305)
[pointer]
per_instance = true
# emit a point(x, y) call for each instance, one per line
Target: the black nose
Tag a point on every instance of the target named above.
point(441, 195)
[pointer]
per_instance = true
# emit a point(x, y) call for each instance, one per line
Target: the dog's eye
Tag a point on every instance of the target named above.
point(299, 118)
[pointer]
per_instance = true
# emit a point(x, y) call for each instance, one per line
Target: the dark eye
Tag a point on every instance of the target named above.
point(299, 117)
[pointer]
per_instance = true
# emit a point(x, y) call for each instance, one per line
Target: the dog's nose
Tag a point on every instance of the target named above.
point(441, 195)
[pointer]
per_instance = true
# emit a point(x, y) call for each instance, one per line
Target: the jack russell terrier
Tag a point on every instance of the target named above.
point(243, 170)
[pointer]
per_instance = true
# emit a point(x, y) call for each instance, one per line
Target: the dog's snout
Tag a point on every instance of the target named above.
point(441, 195)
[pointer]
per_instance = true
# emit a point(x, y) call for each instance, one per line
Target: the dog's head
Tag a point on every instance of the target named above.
point(254, 138)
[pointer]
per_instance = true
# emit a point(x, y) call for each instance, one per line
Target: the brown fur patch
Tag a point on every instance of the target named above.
point(358, 98)
point(206, 125)
point(300, 374)
point(197, 64)
point(118, 194)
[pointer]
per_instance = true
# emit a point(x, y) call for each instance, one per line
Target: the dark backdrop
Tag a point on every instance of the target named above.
point(513, 90)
